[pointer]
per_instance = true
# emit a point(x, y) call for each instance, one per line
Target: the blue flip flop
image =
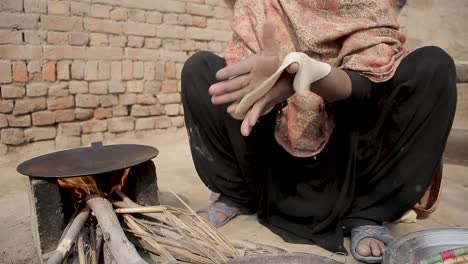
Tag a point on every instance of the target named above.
point(229, 211)
point(369, 231)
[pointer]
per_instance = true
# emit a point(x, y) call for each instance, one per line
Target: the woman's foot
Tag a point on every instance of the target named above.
point(369, 243)
point(218, 214)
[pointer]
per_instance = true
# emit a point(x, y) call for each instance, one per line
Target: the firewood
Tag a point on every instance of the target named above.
point(99, 242)
point(81, 250)
point(93, 243)
point(108, 257)
point(140, 210)
point(69, 238)
point(123, 251)
point(127, 202)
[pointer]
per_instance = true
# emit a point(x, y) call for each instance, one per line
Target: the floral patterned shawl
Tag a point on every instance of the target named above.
point(358, 35)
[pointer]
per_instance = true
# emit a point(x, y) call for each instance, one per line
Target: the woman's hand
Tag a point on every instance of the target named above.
point(239, 79)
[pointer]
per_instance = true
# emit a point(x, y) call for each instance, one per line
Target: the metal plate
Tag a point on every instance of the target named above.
point(418, 245)
point(287, 258)
point(87, 161)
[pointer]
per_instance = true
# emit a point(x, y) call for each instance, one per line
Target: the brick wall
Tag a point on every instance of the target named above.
point(72, 72)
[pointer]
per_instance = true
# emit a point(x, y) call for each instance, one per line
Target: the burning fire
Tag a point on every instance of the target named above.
point(102, 184)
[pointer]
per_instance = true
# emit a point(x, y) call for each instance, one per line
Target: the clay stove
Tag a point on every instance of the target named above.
point(52, 205)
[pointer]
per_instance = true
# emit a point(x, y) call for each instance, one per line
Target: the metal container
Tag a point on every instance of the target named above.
point(287, 258)
point(418, 245)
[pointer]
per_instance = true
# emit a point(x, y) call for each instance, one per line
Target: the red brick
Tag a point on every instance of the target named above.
point(43, 118)
point(109, 100)
point(11, 5)
point(64, 115)
point(19, 121)
point(20, 72)
point(170, 72)
point(18, 21)
point(87, 100)
point(127, 99)
point(156, 109)
point(169, 86)
point(161, 5)
point(69, 129)
point(61, 23)
point(172, 109)
point(63, 70)
point(6, 106)
point(171, 31)
point(139, 29)
point(48, 72)
point(12, 136)
point(169, 98)
point(60, 103)
point(102, 113)
point(12, 91)
point(15, 52)
point(93, 126)
point(58, 7)
point(121, 124)
point(40, 133)
point(162, 122)
point(146, 99)
point(11, 37)
point(5, 72)
point(104, 53)
point(58, 90)
point(64, 52)
point(102, 26)
point(177, 121)
point(141, 54)
point(200, 22)
point(127, 70)
point(116, 70)
point(24, 106)
point(83, 114)
point(144, 123)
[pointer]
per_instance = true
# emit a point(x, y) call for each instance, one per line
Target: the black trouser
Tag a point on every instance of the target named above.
point(380, 159)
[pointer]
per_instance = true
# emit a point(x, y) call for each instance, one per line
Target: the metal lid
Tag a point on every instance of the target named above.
point(87, 161)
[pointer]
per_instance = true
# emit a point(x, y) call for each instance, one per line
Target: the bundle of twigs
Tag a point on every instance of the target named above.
point(175, 234)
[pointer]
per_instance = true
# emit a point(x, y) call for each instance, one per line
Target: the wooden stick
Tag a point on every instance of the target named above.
point(140, 210)
point(123, 251)
point(153, 243)
point(81, 250)
point(209, 229)
point(93, 242)
point(108, 258)
point(99, 242)
point(69, 238)
point(127, 202)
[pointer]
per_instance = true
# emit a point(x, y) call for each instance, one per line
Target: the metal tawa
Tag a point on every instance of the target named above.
point(87, 161)
point(422, 244)
point(287, 258)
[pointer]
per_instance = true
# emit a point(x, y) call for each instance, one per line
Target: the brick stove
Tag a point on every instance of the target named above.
point(51, 205)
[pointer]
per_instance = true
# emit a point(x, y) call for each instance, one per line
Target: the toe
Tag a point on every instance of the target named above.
point(363, 248)
point(375, 248)
point(382, 247)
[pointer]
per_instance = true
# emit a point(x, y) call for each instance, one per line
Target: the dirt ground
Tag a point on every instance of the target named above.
point(176, 172)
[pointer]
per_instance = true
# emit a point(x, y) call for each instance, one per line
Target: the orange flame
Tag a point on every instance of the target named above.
point(102, 184)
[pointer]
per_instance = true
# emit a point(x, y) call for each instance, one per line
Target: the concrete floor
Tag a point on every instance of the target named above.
point(176, 173)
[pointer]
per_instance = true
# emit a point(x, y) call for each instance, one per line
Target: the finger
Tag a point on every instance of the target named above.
point(293, 68)
point(252, 117)
point(229, 97)
point(233, 107)
point(240, 68)
point(270, 47)
point(229, 85)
